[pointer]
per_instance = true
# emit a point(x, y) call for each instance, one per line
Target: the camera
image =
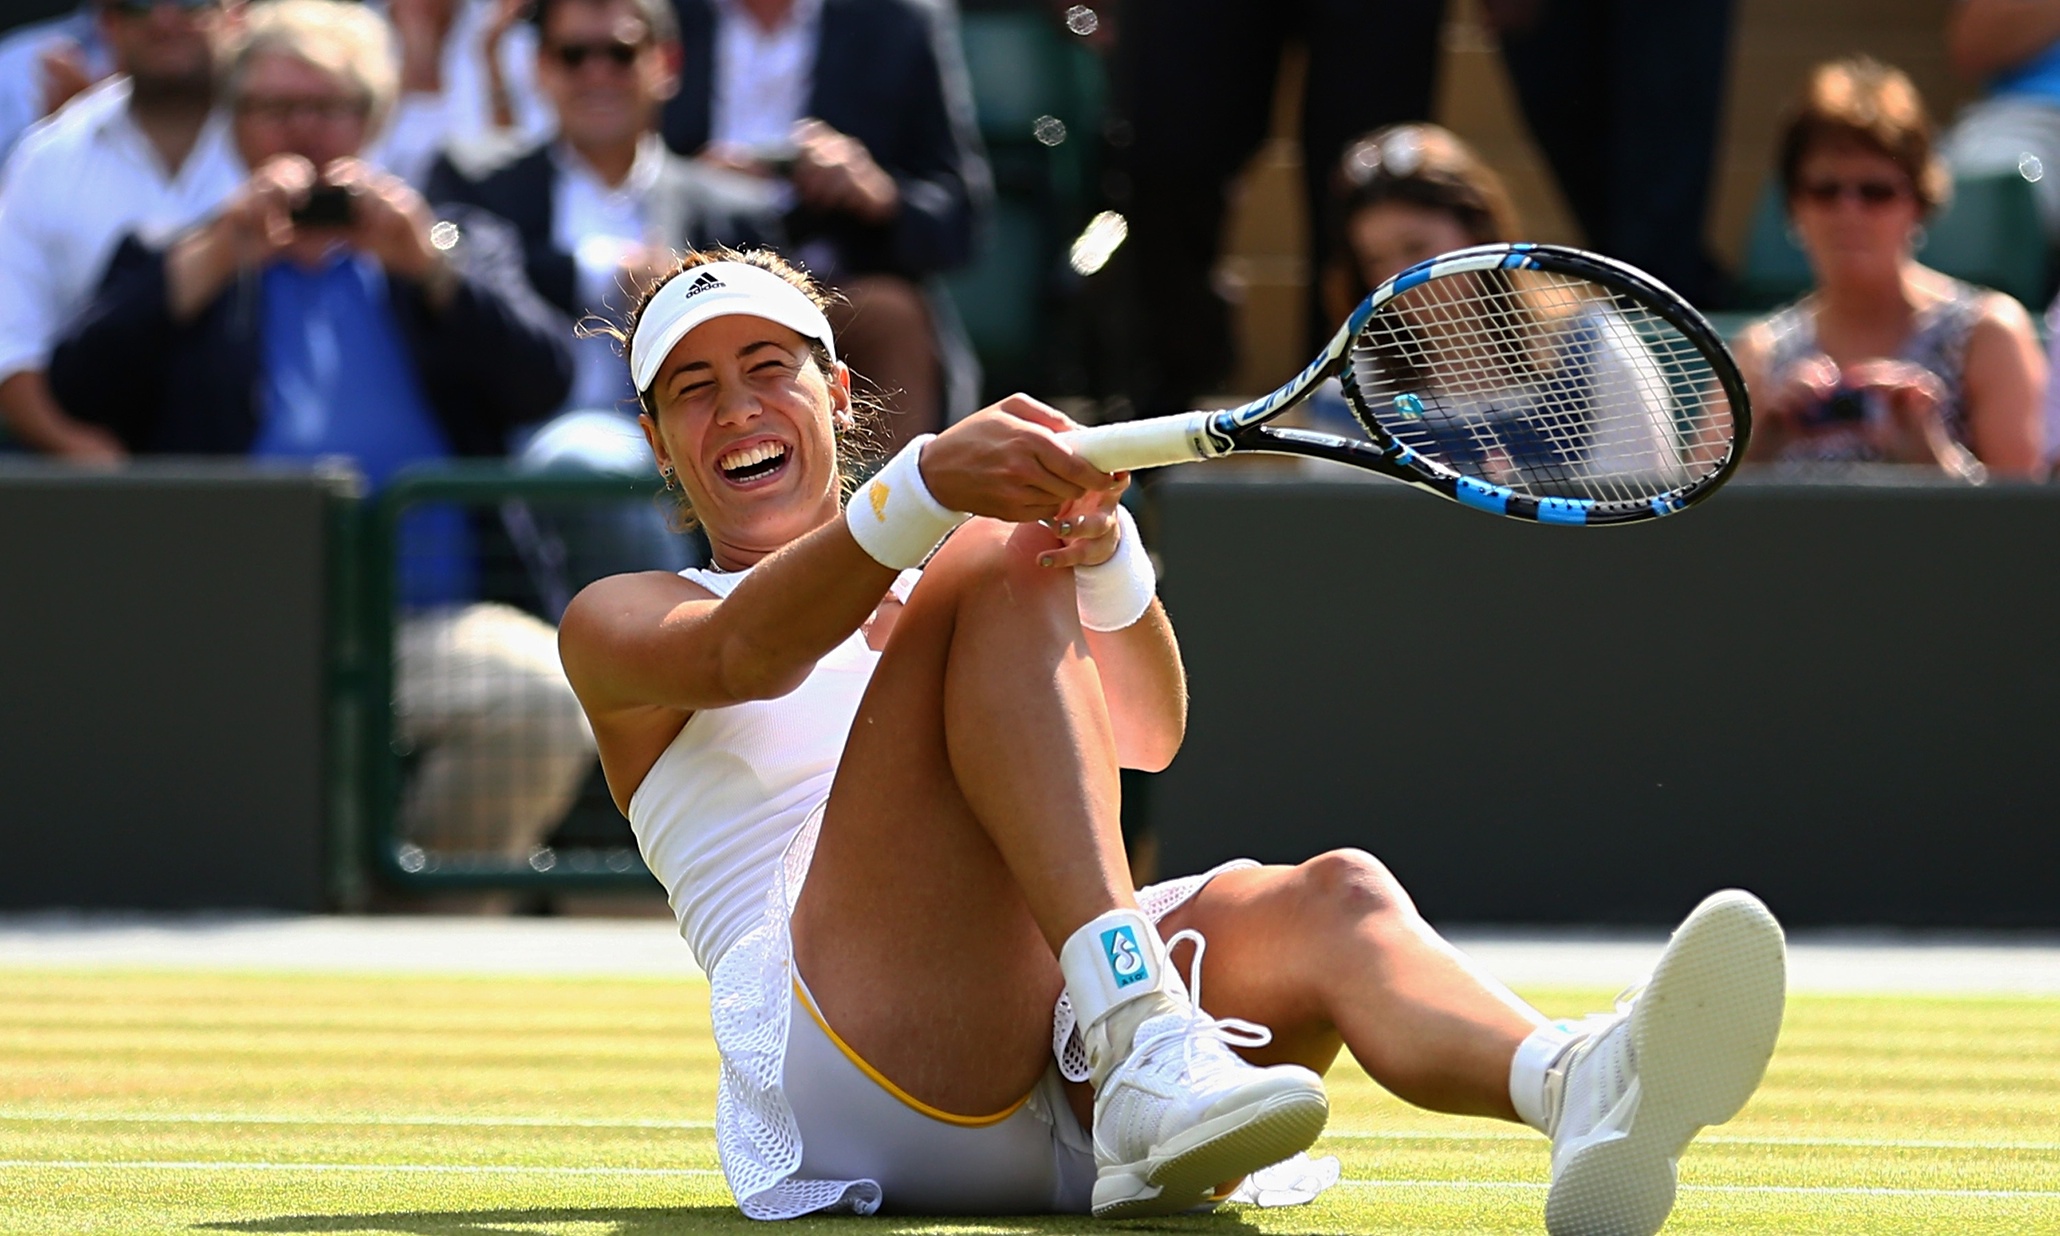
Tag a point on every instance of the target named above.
point(327, 205)
point(1843, 406)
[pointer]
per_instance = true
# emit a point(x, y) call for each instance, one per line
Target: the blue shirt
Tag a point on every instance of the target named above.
point(338, 380)
point(2036, 78)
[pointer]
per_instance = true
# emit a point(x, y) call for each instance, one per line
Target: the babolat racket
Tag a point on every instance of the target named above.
point(1531, 381)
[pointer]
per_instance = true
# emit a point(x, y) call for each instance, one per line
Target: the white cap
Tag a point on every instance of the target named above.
point(718, 290)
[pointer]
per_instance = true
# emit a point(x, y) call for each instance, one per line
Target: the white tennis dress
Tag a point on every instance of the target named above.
point(727, 819)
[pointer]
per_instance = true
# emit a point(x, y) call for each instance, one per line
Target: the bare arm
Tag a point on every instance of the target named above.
point(650, 640)
point(1986, 37)
point(1146, 689)
point(32, 416)
point(2005, 379)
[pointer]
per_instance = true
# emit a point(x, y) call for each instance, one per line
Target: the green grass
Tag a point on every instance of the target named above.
point(212, 1103)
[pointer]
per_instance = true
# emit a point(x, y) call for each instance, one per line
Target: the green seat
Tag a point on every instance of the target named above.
point(1990, 234)
point(1026, 73)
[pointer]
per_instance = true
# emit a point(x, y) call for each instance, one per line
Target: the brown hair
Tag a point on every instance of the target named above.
point(1862, 102)
point(856, 443)
point(1424, 165)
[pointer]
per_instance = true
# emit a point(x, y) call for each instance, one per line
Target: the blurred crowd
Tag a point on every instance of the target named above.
point(403, 231)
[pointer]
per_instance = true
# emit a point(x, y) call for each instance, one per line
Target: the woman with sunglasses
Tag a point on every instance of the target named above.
point(1886, 360)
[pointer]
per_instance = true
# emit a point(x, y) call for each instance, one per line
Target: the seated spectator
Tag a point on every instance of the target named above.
point(323, 312)
point(46, 64)
point(1405, 194)
point(1885, 360)
point(858, 117)
point(2012, 49)
point(142, 152)
point(1401, 195)
point(600, 208)
point(466, 84)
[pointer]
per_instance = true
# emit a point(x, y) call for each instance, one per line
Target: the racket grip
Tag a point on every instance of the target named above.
point(1149, 443)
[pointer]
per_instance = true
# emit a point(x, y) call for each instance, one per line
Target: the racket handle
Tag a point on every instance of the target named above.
point(1149, 443)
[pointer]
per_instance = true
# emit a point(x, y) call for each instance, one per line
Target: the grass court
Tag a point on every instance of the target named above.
point(223, 1102)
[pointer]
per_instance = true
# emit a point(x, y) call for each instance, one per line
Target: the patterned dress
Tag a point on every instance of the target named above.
point(1937, 341)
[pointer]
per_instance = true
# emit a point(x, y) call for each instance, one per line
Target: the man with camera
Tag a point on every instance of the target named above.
point(325, 311)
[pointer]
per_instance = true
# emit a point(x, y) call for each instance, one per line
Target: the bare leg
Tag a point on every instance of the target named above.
point(972, 827)
point(887, 336)
point(1332, 953)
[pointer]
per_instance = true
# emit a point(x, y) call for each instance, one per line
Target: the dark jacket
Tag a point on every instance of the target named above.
point(495, 357)
point(520, 189)
point(891, 74)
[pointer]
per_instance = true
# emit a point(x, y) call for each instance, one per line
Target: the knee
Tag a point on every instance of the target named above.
point(990, 559)
point(1354, 886)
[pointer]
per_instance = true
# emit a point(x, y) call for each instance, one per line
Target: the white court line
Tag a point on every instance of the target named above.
point(574, 1122)
point(165, 1165)
point(490, 1169)
point(484, 1122)
point(1783, 1190)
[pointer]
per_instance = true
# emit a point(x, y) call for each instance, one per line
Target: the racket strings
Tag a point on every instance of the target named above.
point(1544, 383)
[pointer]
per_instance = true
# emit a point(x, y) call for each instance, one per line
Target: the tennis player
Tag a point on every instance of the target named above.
point(872, 753)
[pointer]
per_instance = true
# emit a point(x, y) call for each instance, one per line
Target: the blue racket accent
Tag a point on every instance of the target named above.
point(1415, 275)
point(1409, 406)
point(1666, 505)
point(1562, 511)
point(1481, 496)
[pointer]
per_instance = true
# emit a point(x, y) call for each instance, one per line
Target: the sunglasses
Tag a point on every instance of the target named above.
point(142, 8)
point(617, 52)
point(1865, 192)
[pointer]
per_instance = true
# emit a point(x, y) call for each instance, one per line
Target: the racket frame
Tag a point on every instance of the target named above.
point(1209, 435)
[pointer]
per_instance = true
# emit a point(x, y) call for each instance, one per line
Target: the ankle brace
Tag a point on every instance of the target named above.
point(1116, 973)
point(1529, 1069)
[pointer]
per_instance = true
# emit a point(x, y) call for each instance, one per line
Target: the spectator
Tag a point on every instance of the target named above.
point(44, 65)
point(145, 152)
point(1398, 196)
point(293, 326)
point(1623, 98)
point(2011, 47)
point(858, 115)
point(1404, 194)
point(1198, 79)
point(1886, 359)
point(466, 84)
point(599, 209)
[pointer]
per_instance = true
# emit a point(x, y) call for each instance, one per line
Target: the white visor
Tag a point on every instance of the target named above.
point(718, 290)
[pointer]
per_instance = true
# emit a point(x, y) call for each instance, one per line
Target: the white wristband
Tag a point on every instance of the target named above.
point(894, 518)
point(1114, 594)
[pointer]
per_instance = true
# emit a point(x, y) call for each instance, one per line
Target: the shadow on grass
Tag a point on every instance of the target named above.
point(681, 1220)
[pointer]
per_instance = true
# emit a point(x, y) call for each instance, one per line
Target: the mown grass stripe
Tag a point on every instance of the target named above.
point(527, 1170)
point(574, 1122)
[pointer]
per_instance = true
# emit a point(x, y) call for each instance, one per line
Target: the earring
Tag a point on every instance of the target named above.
point(667, 474)
point(1919, 238)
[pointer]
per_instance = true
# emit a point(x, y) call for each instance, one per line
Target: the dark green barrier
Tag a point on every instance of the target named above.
point(1840, 696)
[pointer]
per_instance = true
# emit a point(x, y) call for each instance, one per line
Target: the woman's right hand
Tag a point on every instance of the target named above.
point(1006, 462)
point(1797, 389)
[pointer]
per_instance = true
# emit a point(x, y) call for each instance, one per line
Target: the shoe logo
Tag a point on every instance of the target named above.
point(702, 283)
point(1126, 960)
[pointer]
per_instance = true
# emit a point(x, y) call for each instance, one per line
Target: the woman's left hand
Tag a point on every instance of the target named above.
point(1914, 430)
point(1086, 527)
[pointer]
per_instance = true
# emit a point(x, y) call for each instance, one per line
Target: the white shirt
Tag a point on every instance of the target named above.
point(599, 225)
point(21, 69)
point(462, 114)
point(762, 81)
point(71, 190)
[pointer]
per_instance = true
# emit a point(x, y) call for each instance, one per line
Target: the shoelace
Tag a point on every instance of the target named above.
point(1589, 1031)
point(1229, 1031)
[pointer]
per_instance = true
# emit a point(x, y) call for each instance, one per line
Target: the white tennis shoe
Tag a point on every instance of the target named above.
point(1687, 1051)
point(1183, 1113)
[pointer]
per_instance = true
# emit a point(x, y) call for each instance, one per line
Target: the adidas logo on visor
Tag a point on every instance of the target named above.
point(702, 283)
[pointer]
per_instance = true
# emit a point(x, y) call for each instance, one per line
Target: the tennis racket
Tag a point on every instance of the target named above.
point(1531, 381)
